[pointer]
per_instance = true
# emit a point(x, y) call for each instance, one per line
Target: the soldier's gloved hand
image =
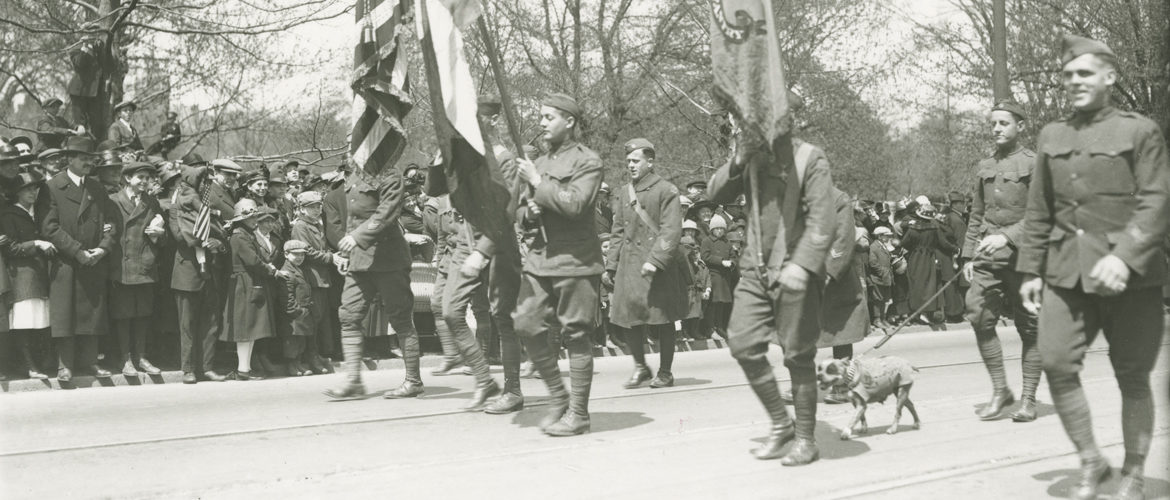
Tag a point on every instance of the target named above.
point(1112, 273)
point(991, 244)
point(1031, 292)
point(607, 278)
point(473, 265)
point(793, 278)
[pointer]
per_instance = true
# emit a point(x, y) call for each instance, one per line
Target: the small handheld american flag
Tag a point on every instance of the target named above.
point(202, 230)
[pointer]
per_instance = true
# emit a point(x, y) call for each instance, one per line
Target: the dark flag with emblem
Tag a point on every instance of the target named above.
point(473, 179)
point(380, 85)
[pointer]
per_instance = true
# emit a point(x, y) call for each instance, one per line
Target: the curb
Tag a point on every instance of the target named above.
point(176, 376)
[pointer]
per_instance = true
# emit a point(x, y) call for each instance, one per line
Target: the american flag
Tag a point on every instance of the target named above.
point(380, 85)
point(202, 230)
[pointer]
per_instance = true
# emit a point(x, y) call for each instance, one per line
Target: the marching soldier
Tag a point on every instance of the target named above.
point(997, 224)
point(1094, 227)
point(778, 297)
point(646, 266)
point(379, 268)
point(562, 272)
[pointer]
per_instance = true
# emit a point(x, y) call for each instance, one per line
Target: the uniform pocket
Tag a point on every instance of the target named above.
point(1111, 172)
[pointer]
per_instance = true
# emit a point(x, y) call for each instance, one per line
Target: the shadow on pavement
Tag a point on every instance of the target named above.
point(440, 392)
point(687, 381)
point(1066, 480)
point(830, 443)
point(599, 421)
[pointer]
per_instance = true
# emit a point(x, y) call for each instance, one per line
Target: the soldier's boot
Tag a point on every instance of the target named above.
point(782, 430)
point(1137, 429)
point(544, 362)
point(448, 366)
point(576, 420)
point(483, 391)
point(411, 387)
point(1031, 365)
point(351, 350)
point(804, 448)
point(991, 351)
point(1069, 399)
point(512, 400)
point(640, 376)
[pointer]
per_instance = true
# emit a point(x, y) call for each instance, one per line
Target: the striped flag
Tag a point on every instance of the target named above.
point(380, 85)
point(202, 229)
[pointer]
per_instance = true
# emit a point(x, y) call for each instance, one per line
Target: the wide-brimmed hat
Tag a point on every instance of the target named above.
point(109, 158)
point(78, 144)
point(245, 208)
point(168, 174)
point(23, 180)
point(9, 152)
point(693, 212)
point(252, 176)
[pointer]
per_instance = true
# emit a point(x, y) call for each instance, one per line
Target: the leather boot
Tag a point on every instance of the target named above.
point(1093, 473)
point(1000, 399)
point(406, 390)
point(804, 449)
point(641, 375)
point(782, 430)
point(576, 419)
point(148, 367)
point(509, 402)
point(481, 395)
point(664, 379)
point(349, 391)
point(1026, 412)
point(449, 366)
point(1132, 487)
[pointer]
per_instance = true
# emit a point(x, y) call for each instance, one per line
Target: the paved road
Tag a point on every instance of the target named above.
point(278, 438)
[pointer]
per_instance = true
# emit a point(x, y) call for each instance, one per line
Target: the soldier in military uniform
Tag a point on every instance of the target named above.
point(778, 297)
point(562, 272)
point(379, 268)
point(646, 266)
point(1095, 223)
point(993, 236)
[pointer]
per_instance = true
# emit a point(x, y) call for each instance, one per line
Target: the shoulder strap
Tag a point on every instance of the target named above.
point(803, 152)
point(638, 208)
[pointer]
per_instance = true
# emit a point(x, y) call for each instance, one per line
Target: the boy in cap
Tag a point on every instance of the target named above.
point(121, 131)
point(317, 269)
point(1092, 247)
point(303, 314)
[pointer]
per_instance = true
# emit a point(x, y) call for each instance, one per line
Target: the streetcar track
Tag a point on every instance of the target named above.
point(396, 418)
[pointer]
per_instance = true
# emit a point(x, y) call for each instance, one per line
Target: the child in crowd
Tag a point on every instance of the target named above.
point(302, 315)
point(318, 270)
point(700, 289)
point(717, 252)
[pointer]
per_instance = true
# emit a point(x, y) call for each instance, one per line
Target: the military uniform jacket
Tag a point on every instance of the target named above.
point(135, 260)
point(572, 176)
point(661, 298)
point(999, 201)
point(373, 206)
point(1101, 186)
point(844, 318)
point(805, 206)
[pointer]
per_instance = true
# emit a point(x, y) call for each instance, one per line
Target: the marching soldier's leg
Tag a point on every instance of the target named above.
point(398, 305)
point(636, 339)
point(457, 298)
point(665, 355)
point(1134, 330)
point(1030, 353)
point(450, 350)
point(355, 303)
point(579, 315)
point(751, 329)
point(985, 302)
point(1070, 321)
point(797, 321)
point(533, 316)
point(503, 287)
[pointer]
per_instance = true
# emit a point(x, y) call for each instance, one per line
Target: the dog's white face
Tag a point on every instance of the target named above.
point(831, 373)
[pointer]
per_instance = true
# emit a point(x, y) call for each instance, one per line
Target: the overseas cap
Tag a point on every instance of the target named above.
point(564, 103)
point(308, 198)
point(1077, 46)
point(639, 143)
point(295, 246)
point(1011, 107)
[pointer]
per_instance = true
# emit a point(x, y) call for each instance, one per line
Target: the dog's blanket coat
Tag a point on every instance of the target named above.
point(874, 379)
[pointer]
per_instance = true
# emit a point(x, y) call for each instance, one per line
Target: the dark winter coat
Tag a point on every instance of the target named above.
point(78, 219)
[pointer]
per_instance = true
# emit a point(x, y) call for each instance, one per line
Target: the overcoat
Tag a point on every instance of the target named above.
point(924, 241)
point(28, 268)
point(300, 312)
point(663, 297)
point(124, 134)
point(135, 260)
point(248, 314)
point(700, 282)
point(844, 316)
point(714, 251)
point(78, 220)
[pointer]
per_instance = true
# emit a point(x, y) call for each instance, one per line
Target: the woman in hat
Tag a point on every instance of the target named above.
point(924, 242)
point(716, 252)
point(248, 313)
point(134, 266)
point(28, 269)
point(271, 243)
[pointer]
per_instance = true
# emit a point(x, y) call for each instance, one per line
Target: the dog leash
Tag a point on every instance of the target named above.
point(954, 279)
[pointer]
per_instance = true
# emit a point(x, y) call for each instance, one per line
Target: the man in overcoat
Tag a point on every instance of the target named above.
point(1097, 217)
point(122, 133)
point(844, 318)
point(79, 225)
point(778, 297)
point(646, 265)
